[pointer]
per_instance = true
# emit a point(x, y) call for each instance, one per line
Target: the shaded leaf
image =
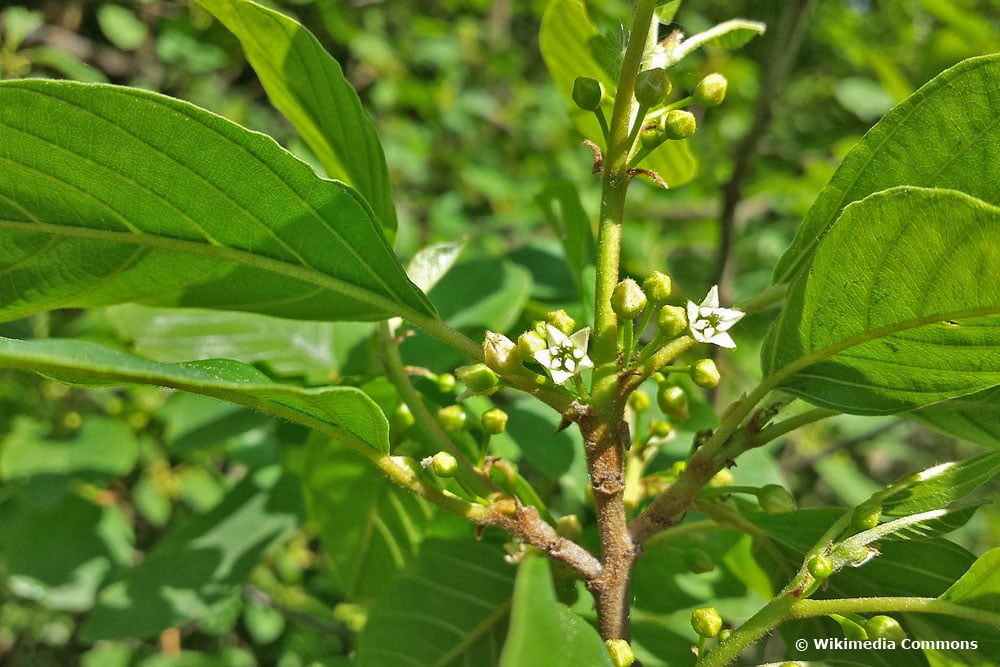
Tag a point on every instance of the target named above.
point(101, 446)
point(941, 485)
point(115, 194)
point(944, 135)
point(975, 418)
point(308, 86)
point(900, 308)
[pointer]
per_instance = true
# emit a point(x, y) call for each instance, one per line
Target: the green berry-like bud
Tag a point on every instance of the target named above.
point(651, 86)
point(561, 320)
point(673, 402)
point(453, 418)
point(651, 136)
point(569, 526)
point(639, 401)
point(774, 499)
point(885, 627)
point(711, 90)
point(628, 300)
point(851, 629)
point(479, 378)
point(680, 124)
point(620, 651)
point(706, 622)
point(820, 567)
point(671, 321)
point(660, 429)
point(866, 515)
point(705, 374)
point(444, 464)
point(587, 93)
point(494, 421)
point(446, 383)
point(528, 343)
point(698, 561)
point(657, 287)
point(402, 418)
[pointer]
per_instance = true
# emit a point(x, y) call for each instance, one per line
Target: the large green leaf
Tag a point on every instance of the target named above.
point(571, 46)
point(975, 418)
point(308, 86)
point(344, 413)
point(938, 487)
point(542, 630)
point(201, 562)
point(946, 135)
point(449, 608)
point(900, 309)
point(112, 194)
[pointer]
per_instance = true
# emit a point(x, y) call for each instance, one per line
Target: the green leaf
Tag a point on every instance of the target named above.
point(560, 202)
point(430, 264)
point(542, 630)
point(666, 10)
point(482, 294)
point(980, 586)
point(730, 34)
point(975, 418)
point(60, 553)
point(938, 487)
point(344, 413)
point(121, 27)
point(899, 309)
point(201, 562)
point(102, 446)
point(449, 608)
point(114, 194)
point(308, 86)
point(319, 352)
point(945, 135)
point(571, 47)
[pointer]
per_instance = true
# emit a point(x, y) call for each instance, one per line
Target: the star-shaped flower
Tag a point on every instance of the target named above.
point(709, 323)
point(565, 355)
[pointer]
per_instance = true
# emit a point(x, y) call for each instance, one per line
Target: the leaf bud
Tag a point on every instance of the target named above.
point(452, 418)
point(561, 320)
point(639, 401)
point(479, 378)
point(587, 93)
point(698, 561)
point(446, 383)
point(628, 300)
point(705, 374)
point(706, 622)
point(711, 90)
point(651, 86)
point(500, 352)
point(660, 429)
point(820, 567)
point(671, 321)
point(866, 515)
point(494, 421)
point(885, 627)
point(402, 418)
point(657, 287)
point(620, 651)
point(774, 499)
point(444, 464)
point(528, 343)
point(680, 124)
point(673, 401)
point(569, 526)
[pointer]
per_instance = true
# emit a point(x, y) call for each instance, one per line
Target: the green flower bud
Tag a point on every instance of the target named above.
point(620, 651)
point(680, 124)
point(673, 402)
point(587, 93)
point(569, 526)
point(628, 300)
point(354, 616)
point(501, 353)
point(711, 90)
point(851, 629)
point(494, 421)
point(561, 320)
point(660, 429)
point(885, 627)
point(720, 479)
point(452, 418)
point(639, 401)
point(706, 622)
point(651, 86)
point(446, 383)
point(820, 567)
point(774, 499)
point(705, 374)
point(657, 287)
point(651, 136)
point(402, 418)
point(671, 321)
point(866, 515)
point(479, 378)
point(724, 635)
point(528, 343)
point(443, 464)
point(698, 561)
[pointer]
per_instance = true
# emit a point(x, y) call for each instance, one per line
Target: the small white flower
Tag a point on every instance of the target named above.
point(709, 323)
point(565, 355)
